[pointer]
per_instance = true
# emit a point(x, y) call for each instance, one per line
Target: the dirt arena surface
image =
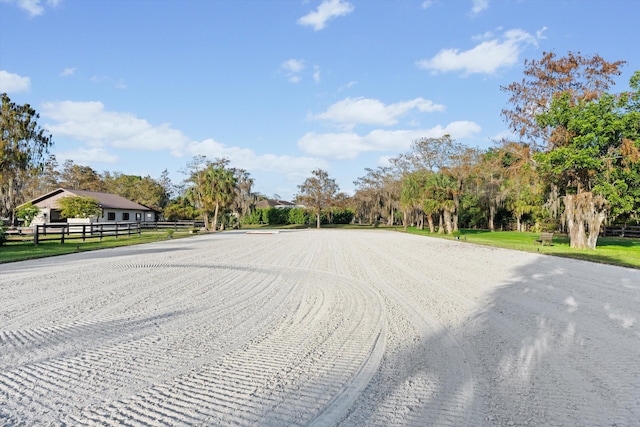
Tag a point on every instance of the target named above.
point(318, 327)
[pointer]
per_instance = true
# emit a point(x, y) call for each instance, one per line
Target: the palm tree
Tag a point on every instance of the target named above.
point(412, 195)
point(220, 189)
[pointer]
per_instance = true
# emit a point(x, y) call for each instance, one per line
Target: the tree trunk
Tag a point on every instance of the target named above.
point(318, 219)
point(441, 224)
point(456, 202)
point(584, 211)
point(432, 228)
point(404, 220)
point(492, 215)
point(518, 223)
point(447, 221)
point(215, 217)
point(595, 220)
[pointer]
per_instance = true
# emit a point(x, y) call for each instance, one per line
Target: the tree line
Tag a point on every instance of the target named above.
point(573, 164)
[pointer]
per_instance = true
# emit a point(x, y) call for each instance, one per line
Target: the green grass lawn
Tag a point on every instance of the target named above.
point(18, 251)
point(610, 250)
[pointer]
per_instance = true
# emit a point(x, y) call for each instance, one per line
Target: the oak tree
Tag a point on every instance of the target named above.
point(317, 192)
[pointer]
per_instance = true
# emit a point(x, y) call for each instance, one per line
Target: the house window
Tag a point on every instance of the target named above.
point(125, 216)
point(111, 216)
point(138, 216)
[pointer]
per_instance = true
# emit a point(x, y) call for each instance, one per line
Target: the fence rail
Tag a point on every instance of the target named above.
point(176, 225)
point(62, 232)
point(622, 231)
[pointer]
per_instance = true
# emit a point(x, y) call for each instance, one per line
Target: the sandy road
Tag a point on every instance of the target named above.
point(350, 328)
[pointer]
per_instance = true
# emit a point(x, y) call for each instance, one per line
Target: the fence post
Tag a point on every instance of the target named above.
point(35, 236)
point(84, 231)
point(62, 234)
point(101, 230)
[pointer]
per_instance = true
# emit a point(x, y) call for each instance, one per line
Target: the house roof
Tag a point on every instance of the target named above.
point(105, 200)
point(270, 203)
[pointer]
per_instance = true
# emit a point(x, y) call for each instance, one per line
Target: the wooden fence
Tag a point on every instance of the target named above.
point(622, 231)
point(63, 231)
point(175, 225)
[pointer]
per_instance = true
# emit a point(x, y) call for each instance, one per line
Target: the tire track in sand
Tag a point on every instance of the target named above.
point(309, 366)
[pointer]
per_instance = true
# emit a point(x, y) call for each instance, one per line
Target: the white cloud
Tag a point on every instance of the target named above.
point(13, 83)
point(316, 74)
point(88, 155)
point(347, 86)
point(486, 58)
point(353, 111)
point(292, 68)
point(479, 6)
point(293, 65)
point(116, 83)
point(34, 7)
point(426, 4)
point(69, 71)
point(327, 10)
point(540, 33)
point(91, 123)
point(349, 145)
point(248, 159)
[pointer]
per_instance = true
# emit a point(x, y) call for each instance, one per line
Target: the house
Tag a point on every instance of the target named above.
point(114, 208)
point(270, 203)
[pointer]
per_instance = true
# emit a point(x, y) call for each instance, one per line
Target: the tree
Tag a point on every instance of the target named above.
point(491, 185)
point(180, 208)
point(444, 155)
point(244, 199)
point(43, 181)
point(221, 187)
point(596, 160)
point(412, 196)
point(317, 192)
point(582, 78)
point(524, 194)
point(27, 213)
point(79, 207)
point(79, 177)
point(547, 106)
point(213, 187)
point(23, 149)
point(144, 190)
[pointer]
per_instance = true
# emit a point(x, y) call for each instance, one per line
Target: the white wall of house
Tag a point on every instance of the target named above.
point(121, 215)
point(108, 215)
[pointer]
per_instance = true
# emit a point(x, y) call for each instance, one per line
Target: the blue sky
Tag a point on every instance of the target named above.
point(282, 87)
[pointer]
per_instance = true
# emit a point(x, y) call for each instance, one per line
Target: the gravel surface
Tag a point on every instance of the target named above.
point(318, 327)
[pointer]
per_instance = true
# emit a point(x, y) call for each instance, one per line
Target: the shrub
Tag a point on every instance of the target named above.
point(298, 216)
point(342, 216)
point(27, 213)
point(3, 235)
point(79, 207)
point(278, 216)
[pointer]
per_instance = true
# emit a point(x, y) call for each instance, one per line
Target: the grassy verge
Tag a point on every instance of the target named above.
point(19, 251)
point(619, 251)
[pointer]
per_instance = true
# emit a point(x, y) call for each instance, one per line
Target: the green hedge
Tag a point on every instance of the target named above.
point(297, 216)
